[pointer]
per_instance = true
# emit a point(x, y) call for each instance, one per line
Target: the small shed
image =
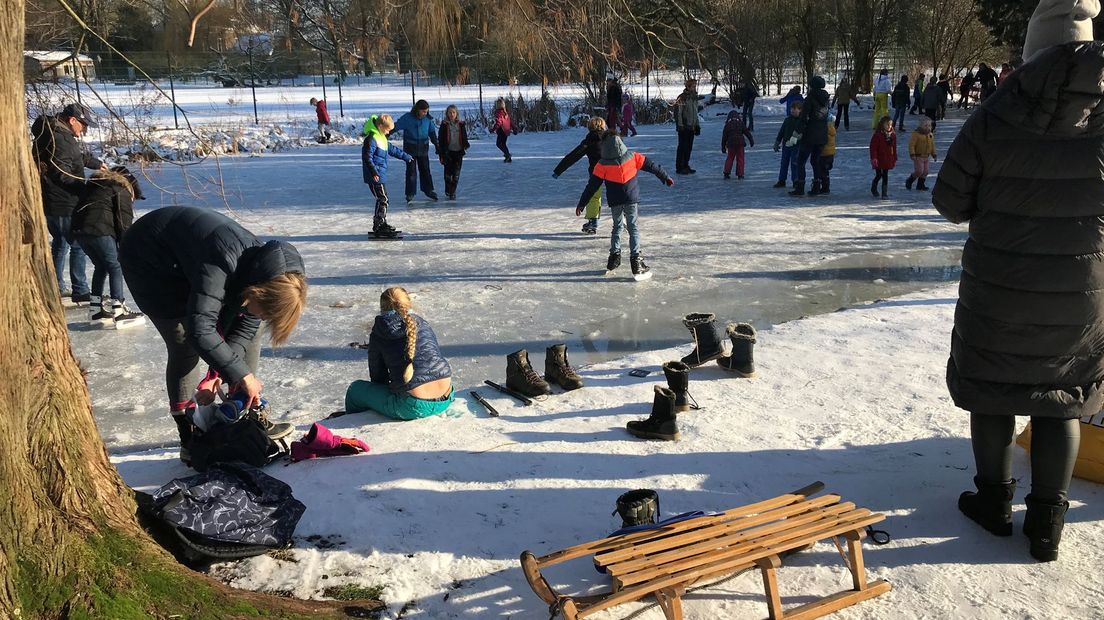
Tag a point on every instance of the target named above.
point(39, 65)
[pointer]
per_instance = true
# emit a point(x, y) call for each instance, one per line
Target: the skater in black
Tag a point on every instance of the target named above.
point(618, 170)
point(373, 156)
point(591, 146)
point(453, 141)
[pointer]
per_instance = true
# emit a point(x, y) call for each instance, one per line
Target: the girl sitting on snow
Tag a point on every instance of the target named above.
point(410, 379)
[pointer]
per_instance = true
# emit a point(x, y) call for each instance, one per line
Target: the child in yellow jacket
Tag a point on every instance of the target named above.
point(828, 157)
point(921, 147)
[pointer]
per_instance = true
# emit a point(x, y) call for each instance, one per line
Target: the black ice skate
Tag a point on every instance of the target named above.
point(640, 270)
point(613, 263)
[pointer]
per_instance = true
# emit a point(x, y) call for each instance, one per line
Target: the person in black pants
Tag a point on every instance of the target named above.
point(749, 94)
point(453, 140)
point(842, 99)
point(686, 126)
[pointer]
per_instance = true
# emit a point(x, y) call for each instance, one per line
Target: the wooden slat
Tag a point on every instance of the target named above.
point(598, 546)
point(662, 556)
point(838, 601)
point(777, 542)
point(610, 557)
point(770, 585)
point(726, 564)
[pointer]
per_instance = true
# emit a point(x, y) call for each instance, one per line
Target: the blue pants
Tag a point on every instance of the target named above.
point(899, 116)
point(625, 215)
point(789, 161)
point(104, 254)
point(364, 395)
point(62, 244)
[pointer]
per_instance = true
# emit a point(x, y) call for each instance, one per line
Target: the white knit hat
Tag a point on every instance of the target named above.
point(1057, 22)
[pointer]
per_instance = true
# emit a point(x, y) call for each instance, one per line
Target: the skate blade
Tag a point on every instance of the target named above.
point(130, 323)
point(108, 324)
point(280, 430)
point(640, 277)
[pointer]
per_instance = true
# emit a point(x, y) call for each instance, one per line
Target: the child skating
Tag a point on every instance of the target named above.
point(591, 146)
point(502, 128)
point(453, 140)
point(921, 147)
point(883, 155)
point(618, 170)
point(783, 142)
point(373, 156)
point(734, 138)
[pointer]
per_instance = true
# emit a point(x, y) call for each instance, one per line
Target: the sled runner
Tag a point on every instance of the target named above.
point(665, 561)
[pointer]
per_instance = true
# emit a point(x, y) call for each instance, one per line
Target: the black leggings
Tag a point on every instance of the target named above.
point(1054, 445)
point(881, 174)
point(182, 371)
point(500, 142)
point(843, 112)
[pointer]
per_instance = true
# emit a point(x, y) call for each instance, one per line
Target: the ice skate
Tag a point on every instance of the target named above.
point(640, 270)
point(125, 318)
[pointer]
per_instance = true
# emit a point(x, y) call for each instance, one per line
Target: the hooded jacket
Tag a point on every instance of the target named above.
point(194, 264)
point(813, 122)
point(443, 137)
point(418, 133)
point(735, 131)
point(387, 358)
point(934, 96)
point(1025, 172)
point(375, 151)
point(686, 111)
point(105, 207)
point(883, 149)
point(921, 144)
point(882, 84)
point(64, 159)
point(618, 170)
point(902, 95)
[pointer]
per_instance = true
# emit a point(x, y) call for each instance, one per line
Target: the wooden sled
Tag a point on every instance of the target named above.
point(666, 561)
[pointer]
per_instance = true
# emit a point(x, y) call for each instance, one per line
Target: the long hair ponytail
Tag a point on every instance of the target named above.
point(396, 298)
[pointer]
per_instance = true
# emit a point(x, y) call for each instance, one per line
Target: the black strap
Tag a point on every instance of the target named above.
point(878, 537)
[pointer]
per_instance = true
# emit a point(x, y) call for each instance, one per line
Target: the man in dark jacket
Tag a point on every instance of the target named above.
point(1025, 172)
point(813, 127)
point(189, 271)
point(687, 126)
point(613, 102)
point(61, 163)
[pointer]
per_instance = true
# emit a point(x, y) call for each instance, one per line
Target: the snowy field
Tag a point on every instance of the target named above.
point(439, 511)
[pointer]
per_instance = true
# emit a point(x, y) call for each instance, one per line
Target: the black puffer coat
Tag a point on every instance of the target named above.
point(591, 146)
point(813, 122)
point(63, 161)
point(190, 263)
point(105, 207)
point(387, 358)
point(1025, 171)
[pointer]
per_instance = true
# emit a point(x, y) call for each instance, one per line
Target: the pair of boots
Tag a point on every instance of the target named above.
point(921, 183)
point(521, 377)
point(107, 313)
point(708, 344)
point(991, 508)
point(669, 401)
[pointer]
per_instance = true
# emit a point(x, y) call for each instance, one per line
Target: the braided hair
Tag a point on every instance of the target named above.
point(396, 298)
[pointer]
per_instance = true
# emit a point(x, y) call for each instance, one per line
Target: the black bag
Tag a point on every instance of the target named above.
point(243, 441)
point(231, 511)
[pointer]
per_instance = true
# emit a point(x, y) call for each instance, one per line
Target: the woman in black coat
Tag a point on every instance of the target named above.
point(1028, 336)
point(206, 283)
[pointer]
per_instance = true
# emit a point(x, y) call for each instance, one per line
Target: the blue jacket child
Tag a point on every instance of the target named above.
point(373, 157)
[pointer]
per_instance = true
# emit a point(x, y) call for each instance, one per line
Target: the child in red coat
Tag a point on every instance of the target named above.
point(883, 155)
point(733, 143)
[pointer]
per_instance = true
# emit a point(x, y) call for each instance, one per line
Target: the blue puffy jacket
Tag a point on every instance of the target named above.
point(417, 133)
point(374, 153)
point(387, 353)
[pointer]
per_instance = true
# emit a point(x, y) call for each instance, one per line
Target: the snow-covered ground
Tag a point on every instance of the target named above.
point(439, 511)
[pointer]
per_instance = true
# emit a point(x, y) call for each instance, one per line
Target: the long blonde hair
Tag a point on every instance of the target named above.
point(281, 301)
point(396, 298)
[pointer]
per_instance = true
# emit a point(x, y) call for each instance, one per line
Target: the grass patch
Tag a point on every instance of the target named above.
point(353, 592)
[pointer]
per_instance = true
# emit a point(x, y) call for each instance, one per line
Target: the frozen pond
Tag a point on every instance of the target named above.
point(504, 267)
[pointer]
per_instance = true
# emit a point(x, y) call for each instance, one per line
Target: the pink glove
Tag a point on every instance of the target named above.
point(320, 442)
point(874, 164)
point(670, 182)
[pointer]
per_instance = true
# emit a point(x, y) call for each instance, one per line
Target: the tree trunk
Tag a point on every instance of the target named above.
point(70, 545)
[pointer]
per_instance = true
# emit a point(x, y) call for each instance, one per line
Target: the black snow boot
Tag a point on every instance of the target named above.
point(779, 184)
point(662, 423)
point(991, 506)
point(1043, 525)
point(557, 369)
point(874, 188)
point(742, 360)
point(815, 189)
point(908, 183)
point(520, 376)
point(185, 430)
point(678, 381)
point(614, 261)
point(798, 188)
point(707, 339)
point(922, 185)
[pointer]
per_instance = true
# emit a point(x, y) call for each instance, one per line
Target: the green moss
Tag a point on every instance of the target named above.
point(353, 592)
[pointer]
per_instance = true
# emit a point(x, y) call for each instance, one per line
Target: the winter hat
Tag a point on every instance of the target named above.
point(817, 82)
point(613, 149)
point(1057, 22)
